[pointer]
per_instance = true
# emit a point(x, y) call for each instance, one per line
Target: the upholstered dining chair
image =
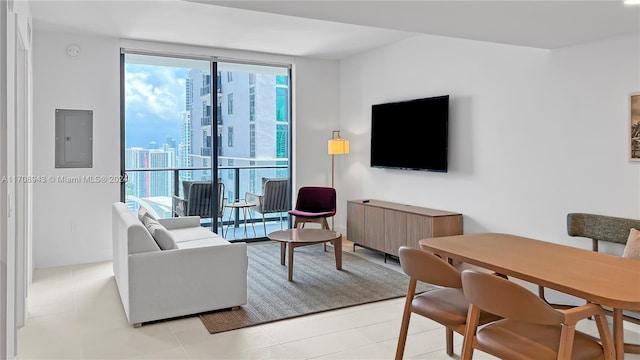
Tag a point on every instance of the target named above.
point(530, 328)
point(274, 199)
point(599, 228)
point(314, 204)
point(447, 306)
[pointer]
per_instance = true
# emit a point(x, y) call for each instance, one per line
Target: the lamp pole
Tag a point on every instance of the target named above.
point(336, 146)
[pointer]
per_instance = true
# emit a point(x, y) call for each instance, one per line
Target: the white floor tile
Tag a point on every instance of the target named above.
point(199, 344)
point(128, 342)
point(326, 344)
point(75, 313)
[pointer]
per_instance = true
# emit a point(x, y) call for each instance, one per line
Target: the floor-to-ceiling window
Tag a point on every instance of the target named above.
point(180, 122)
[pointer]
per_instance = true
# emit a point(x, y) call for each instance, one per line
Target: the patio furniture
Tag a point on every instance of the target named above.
point(274, 199)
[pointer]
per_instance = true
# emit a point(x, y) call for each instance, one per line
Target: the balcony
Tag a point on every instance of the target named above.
point(205, 121)
point(154, 188)
point(205, 151)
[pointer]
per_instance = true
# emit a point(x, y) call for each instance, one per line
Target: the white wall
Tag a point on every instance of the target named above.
point(534, 134)
point(72, 221)
point(315, 99)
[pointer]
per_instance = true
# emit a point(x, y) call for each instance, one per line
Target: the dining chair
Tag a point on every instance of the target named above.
point(530, 328)
point(599, 228)
point(314, 204)
point(447, 306)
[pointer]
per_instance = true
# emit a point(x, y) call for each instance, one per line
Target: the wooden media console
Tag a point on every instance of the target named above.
point(385, 226)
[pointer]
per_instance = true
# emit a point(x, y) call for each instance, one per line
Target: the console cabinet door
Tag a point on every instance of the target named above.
point(355, 222)
point(374, 228)
point(418, 227)
point(395, 231)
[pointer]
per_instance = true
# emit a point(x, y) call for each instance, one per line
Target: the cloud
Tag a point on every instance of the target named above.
point(154, 90)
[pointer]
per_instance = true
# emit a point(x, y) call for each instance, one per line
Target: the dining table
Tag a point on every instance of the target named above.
point(604, 279)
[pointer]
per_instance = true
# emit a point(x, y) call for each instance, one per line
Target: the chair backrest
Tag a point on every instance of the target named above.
point(275, 195)
point(428, 268)
point(507, 299)
point(600, 227)
point(316, 199)
point(198, 195)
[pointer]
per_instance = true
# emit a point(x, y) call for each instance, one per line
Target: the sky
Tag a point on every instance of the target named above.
point(154, 98)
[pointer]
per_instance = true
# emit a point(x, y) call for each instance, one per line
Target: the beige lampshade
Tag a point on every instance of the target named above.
point(338, 146)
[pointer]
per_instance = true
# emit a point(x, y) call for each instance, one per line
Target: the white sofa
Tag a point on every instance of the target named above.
point(205, 272)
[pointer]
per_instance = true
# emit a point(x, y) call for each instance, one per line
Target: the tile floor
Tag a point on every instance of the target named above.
point(75, 313)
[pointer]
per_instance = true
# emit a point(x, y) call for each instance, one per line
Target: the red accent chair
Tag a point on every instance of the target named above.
point(314, 204)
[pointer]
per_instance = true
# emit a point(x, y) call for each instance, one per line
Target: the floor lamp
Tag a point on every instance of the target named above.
point(336, 146)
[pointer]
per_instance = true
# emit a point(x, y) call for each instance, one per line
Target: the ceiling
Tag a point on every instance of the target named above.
point(337, 29)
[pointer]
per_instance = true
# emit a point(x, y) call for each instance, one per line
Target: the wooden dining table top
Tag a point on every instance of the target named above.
point(597, 277)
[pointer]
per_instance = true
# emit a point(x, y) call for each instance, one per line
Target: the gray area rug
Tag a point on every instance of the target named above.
point(316, 287)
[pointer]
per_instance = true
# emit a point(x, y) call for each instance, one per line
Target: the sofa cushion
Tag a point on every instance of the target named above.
point(165, 240)
point(160, 234)
point(191, 233)
point(143, 212)
point(632, 248)
point(212, 241)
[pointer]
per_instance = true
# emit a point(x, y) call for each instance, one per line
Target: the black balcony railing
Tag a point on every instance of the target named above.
point(235, 178)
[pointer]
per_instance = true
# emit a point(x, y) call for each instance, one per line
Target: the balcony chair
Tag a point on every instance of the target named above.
point(197, 200)
point(274, 199)
point(531, 328)
point(314, 204)
point(447, 306)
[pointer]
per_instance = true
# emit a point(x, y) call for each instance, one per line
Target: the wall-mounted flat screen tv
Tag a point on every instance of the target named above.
point(411, 134)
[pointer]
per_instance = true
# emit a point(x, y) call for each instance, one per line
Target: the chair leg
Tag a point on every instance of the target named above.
point(566, 341)
point(264, 225)
point(449, 336)
point(325, 225)
point(406, 316)
point(473, 317)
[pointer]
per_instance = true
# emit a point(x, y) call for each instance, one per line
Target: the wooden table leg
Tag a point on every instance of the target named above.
point(290, 262)
point(618, 334)
point(337, 248)
point(283, 249)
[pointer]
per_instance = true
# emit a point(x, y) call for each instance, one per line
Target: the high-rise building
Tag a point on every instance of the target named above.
point(252, 127)
point(144, 184)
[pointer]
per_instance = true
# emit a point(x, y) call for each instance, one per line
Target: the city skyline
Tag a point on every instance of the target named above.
point(173, 120)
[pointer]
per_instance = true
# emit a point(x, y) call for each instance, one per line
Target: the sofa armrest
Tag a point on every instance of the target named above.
point(180, 222)
point(165, 284)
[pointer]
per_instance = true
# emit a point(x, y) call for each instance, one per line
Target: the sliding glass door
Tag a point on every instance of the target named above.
point(181, 124)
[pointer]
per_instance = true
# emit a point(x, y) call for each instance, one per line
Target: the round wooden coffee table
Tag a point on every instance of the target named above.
point(303, 237)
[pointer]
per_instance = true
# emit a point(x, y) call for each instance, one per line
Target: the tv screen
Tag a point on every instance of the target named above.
point(411, 134)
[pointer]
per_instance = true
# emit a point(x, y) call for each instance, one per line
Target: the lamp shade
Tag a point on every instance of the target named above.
point(338, 146)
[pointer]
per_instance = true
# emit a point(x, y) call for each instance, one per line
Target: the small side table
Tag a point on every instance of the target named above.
point(246, 215)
